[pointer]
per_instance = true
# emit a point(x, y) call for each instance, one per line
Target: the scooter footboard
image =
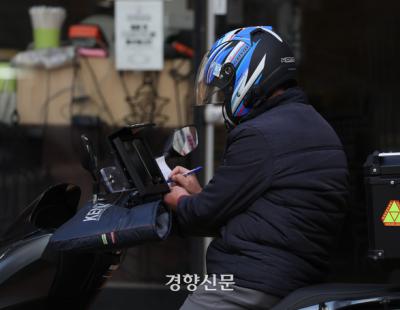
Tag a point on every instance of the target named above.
point(104, 227)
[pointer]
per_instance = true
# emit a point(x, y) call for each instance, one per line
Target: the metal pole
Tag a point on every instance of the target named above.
point(210, 23)
point(209, 150)
point(199, 43)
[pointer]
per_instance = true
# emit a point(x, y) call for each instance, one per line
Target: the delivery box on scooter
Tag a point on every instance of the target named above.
point(382, 181)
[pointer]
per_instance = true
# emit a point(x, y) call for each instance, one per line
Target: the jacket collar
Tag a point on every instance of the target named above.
point(290, 95)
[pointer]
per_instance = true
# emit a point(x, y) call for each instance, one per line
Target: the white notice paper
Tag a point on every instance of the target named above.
point(166, 171)
point(139, 32)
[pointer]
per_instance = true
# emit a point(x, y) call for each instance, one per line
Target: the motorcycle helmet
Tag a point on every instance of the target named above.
point(242, 69)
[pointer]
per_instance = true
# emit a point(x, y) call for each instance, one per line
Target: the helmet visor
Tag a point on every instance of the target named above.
point(206, 93)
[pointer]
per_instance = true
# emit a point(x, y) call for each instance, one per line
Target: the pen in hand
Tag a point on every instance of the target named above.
point(190, 172)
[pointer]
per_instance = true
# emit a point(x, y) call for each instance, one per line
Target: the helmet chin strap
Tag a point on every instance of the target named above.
point(229, 124)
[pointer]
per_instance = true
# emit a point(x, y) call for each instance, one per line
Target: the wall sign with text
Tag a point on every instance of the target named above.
point(139, 35)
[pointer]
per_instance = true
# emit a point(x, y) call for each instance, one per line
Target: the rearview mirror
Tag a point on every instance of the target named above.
point(89, 158)
point(185, 140)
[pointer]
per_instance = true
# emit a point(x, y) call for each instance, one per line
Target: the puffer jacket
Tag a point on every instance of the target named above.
point(276, 201)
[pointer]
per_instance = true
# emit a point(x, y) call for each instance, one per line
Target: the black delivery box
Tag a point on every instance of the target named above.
point(382, 181)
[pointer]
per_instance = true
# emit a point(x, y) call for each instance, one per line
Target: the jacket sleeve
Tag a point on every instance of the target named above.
point(244, 176)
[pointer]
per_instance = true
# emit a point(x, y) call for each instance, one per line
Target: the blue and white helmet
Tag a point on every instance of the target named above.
point(243, 66)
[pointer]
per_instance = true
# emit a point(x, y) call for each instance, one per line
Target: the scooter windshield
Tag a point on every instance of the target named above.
point(115, 180)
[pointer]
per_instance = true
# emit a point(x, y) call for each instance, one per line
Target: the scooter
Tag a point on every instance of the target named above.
point(343, 296)
point(32, 276)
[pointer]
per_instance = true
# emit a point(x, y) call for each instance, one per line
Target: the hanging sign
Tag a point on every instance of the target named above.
point(139, 35)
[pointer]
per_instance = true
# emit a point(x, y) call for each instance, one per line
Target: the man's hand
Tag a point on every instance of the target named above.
point(172, 198)
point(189, 183)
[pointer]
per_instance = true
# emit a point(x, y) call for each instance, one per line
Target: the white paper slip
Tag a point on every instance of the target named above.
point(166, 171)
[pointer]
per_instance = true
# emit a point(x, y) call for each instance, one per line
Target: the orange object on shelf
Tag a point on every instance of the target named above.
point(85, 31)
point(183, 49)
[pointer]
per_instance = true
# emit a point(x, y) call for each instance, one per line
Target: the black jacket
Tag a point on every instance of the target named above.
point(276, 201)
